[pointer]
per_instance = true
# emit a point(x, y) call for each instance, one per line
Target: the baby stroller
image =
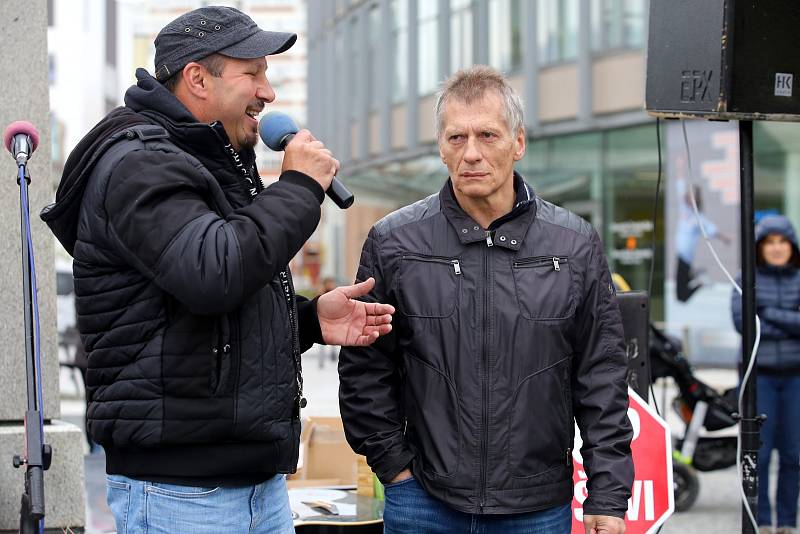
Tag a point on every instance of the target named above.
point(699, 406)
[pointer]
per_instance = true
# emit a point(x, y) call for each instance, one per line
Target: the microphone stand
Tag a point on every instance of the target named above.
point(37, 455)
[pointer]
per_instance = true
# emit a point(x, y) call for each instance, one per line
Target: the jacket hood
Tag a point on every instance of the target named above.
point(149, 94)
point(776, 224)
point(147, 102)
point(62, 215)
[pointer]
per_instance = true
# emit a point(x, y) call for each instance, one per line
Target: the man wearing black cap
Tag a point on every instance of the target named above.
point(184, 298)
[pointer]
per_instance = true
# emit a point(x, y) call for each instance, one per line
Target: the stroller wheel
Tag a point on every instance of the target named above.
point(686, 486)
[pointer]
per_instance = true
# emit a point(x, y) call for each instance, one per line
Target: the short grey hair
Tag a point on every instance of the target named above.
point(470, 85)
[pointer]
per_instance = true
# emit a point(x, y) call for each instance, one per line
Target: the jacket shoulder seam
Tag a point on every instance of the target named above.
point(549, 213)
point(416, 212)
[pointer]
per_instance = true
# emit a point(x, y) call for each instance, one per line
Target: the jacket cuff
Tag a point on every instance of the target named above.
point(308, 324)
point(303, 180)
point(390, 469)
point(605, 505)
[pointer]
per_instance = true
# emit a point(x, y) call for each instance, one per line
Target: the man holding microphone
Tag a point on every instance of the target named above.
point(184, 298)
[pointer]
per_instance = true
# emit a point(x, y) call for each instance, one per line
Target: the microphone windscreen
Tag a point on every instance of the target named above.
point(274, 127)
point(20, 127)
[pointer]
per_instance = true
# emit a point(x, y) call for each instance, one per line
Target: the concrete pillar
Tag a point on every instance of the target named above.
point(24, 73)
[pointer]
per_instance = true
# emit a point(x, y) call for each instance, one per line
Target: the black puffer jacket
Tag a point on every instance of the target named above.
point(193, 360)
point(498, 342)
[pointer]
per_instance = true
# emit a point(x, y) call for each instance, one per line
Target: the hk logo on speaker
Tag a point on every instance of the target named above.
point(783, 84)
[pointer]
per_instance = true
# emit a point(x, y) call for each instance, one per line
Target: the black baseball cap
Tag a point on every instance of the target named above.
point(214, 29)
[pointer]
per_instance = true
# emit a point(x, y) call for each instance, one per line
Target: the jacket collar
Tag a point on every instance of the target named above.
point(507, 232)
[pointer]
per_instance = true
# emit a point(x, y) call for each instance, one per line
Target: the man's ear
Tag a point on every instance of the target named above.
point(195, 80)
point(520, 145)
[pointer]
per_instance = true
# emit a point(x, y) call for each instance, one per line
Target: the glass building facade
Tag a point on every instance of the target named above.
point(579, 66)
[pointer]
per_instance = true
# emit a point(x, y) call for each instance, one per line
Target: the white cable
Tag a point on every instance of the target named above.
point(758, 326)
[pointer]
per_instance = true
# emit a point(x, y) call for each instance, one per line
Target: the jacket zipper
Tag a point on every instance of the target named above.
point(233, 371)
point(541, 261)
point(436, 259)
point(485, 381)
point(288, 293)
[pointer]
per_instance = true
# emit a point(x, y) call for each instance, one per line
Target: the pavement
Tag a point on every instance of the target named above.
point(717, 509)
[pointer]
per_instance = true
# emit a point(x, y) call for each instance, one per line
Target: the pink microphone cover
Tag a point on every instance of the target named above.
point(20, 127)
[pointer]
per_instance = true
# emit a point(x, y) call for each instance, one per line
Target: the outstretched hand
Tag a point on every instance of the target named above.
point(348, 322)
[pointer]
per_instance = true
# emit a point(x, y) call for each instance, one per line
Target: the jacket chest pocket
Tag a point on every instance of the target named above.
point(544, 287)
point(429, 286)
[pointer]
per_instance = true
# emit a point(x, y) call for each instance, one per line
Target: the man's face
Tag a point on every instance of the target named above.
point(478, 147)
point(236, 97)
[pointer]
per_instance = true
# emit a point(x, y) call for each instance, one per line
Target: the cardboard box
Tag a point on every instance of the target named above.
point(325, 457)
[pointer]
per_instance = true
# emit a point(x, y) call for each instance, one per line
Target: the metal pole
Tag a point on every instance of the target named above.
point(750, 426)
point(37, 454)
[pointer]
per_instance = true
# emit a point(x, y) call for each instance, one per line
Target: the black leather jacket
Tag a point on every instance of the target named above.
point(499, 341)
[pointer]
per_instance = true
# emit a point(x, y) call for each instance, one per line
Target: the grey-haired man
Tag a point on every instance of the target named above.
point(184, 299)
point(507, 331)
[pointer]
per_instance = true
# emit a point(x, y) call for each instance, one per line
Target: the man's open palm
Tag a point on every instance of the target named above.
point(348, 322)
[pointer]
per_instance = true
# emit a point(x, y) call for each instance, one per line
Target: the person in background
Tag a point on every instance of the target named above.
point(778, 368)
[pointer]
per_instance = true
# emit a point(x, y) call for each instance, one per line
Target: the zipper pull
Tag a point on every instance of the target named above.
point(556, 266)
point(456, 266)
point(489, 242)
point(226, 349)
point(569, 457)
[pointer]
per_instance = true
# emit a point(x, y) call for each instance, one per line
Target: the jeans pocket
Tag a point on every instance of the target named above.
point(118, 496)
point(180, 492)
point(198, 510)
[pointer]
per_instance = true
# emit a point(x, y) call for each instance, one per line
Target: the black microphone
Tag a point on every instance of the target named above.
point(276, 130)
point(21, 139)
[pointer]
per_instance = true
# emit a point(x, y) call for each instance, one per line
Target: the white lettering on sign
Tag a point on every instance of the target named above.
point(642, 491)
point(783, 84)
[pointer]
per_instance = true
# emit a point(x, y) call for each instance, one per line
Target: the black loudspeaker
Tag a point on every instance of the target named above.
point(724, 59)
point(635, 323)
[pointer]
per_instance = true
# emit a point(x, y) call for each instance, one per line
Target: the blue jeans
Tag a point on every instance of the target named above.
point(153, 507)
point(779, 398)
point(410, 510)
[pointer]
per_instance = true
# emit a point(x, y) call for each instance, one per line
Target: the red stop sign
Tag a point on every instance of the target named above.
point(651, 502)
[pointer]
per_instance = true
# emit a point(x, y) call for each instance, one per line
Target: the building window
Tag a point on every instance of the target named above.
point(354, 59)
point(428, 50)
point(400, 42)
point(111, 32)
point(505, 37)
point(373, 56)
point(557, 30)
point(617, 24)
point(461, 41)
point(51, 68)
